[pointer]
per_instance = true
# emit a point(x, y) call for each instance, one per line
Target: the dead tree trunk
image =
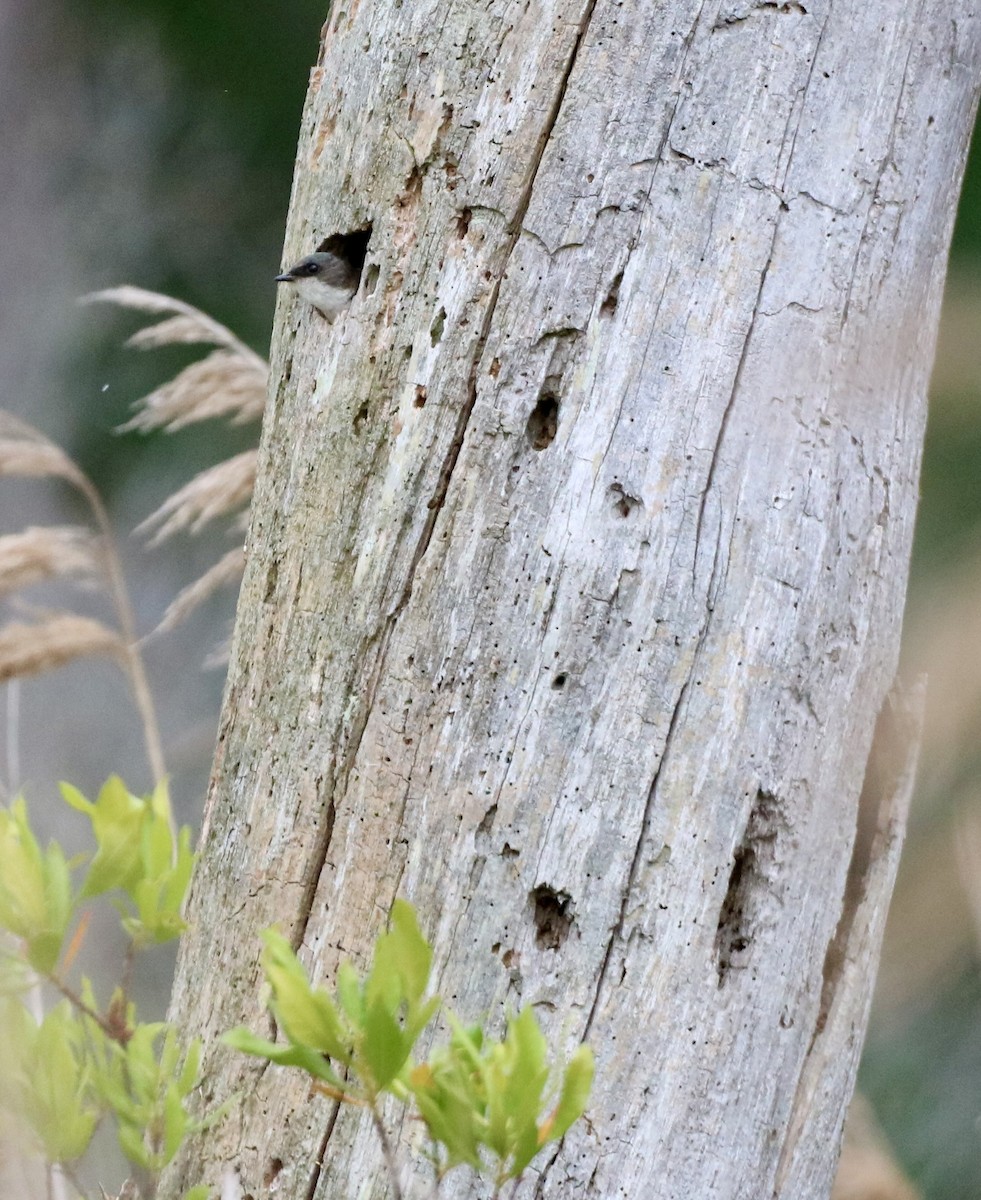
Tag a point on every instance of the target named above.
point(577, 564)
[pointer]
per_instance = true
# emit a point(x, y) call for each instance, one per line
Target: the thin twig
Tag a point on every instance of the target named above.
point(126, 982)
point(127, 977)
point(69, 1172)
point(77, 1002)
point(127, 626)
point(388, 1151)
point(13, 736)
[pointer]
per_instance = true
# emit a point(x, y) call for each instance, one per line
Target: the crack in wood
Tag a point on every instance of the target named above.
point(727, 413)
point(313, 880)
point(318, 1165)
point(617, 931)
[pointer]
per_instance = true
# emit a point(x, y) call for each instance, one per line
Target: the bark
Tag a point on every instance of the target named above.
point(577, 565)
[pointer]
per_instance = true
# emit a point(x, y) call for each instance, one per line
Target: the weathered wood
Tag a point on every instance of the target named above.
point(578, 559)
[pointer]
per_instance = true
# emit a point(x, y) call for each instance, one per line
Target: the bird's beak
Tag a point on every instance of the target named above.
point(286, 277)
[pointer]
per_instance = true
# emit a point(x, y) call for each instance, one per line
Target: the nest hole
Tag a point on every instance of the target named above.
point(543, 422)
point(553, 913)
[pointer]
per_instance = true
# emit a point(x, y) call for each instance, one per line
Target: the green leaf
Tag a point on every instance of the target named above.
point(516, 1079)
point(52, 1085)
point(383, 1047)
point(201, 1192)
point(117, 819)
point(22, 900)
point(308, 1017)
point(159, 894)
point(136, 854)
point(303, 1057)
point(130, 1139)
point(576, 1086)
point(73, 797)
point(349, 993)
point(35, 889)
point(16, 977)
point(188, 1077)
point(59, 904)
point(400, 970)
point(157, 848)
point(450, 1107)
point(477, 1093)
point(175, 1122)
point(144, 1084)
point(392, 1011)
point(418, 1018)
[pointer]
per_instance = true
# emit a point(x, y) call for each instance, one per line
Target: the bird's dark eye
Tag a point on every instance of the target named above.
point(313, 268)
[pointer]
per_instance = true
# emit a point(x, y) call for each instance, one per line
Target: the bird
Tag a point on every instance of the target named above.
point(325, 280)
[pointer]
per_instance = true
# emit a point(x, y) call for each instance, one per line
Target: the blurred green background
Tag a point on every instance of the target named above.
point(153, 144)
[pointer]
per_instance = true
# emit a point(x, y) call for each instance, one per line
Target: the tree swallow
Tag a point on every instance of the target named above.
point(325, 280)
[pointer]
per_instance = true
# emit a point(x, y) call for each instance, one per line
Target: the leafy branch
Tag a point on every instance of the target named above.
point(489, 1104)
point(70, 1068)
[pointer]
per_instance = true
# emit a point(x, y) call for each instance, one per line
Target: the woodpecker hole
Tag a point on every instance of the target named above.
point(553, 913)
point(623, 503)
point(272, 578)
point(609, 305)
point(559, 682)
point(420, 400)
point(543, 423)
point(352, 247)
point(436, 329)
point(487, 821)
point(753, 881)
point(463, 222)
point(273, 1168)
point(413, 189)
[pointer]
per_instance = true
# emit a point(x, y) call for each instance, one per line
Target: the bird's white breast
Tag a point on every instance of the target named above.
point(323, 296)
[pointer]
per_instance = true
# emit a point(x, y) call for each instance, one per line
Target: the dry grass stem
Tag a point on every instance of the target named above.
point(26, 453)
point(213, 493)
point(226, 570)
point(174, 331)
point(218, 658)
point(23, 448)
point(46, 552)
point(240, 522)
point(224, 384)
point(193, 325)
point(230, 383)
point(129, 1191)
point(53, 641)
